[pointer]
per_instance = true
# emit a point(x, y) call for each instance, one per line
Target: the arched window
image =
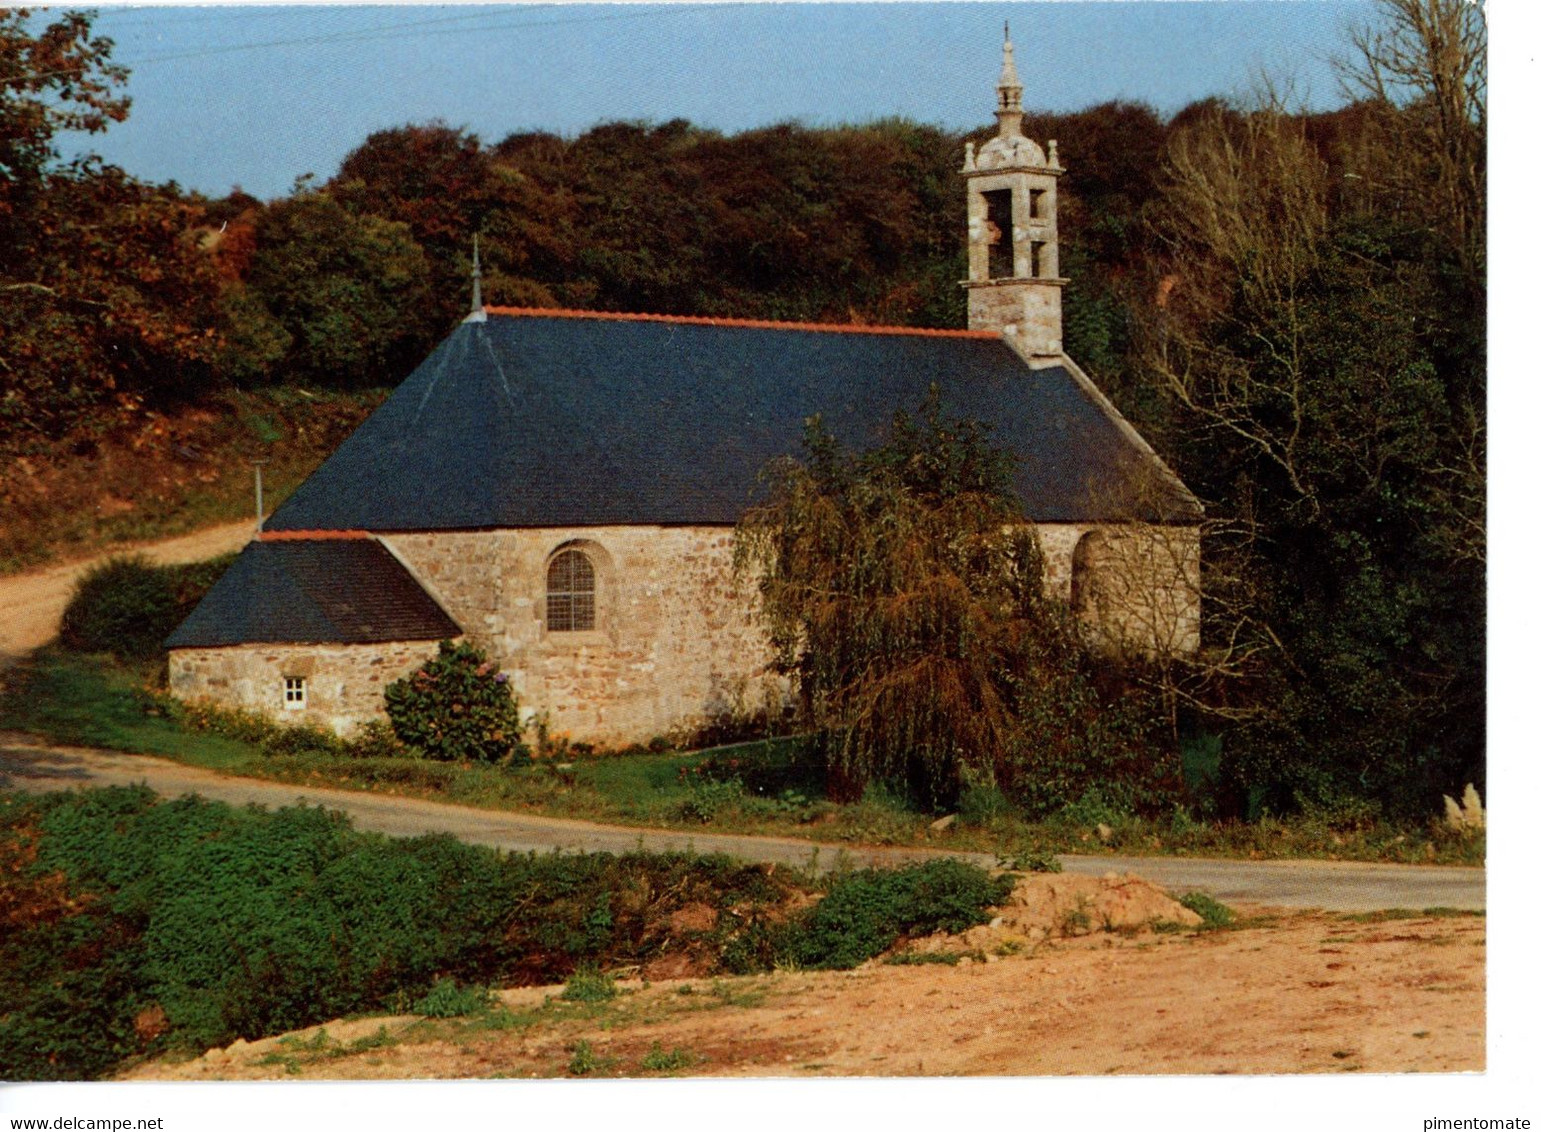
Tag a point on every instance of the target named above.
point(1090, 555)
point(569, 592)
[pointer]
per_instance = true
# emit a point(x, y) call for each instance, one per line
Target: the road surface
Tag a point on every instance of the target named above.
point(1345, 886)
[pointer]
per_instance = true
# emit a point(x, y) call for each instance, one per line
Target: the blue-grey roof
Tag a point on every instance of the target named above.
point(305, 591)
point(535, 420)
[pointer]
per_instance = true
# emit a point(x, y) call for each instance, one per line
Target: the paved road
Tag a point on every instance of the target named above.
point(1336, 886)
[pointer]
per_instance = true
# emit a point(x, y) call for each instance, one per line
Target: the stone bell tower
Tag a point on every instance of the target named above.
point(1013, 241)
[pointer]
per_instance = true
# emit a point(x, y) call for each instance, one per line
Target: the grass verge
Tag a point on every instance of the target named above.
point(760, 787)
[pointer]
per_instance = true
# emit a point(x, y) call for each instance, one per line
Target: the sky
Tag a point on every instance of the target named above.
point(258, 96)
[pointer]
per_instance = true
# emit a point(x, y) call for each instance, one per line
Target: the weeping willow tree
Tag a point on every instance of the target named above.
point(903, 591)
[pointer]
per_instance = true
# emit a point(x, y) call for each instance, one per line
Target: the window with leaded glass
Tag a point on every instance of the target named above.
point(570, 592)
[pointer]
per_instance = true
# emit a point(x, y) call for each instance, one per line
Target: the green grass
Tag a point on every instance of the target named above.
point(585, 1061)
point(660, 1060)
point(1211, 911)
point(928, 958)
point(1389, 914)
point(448, 999)
point(94, 701)
point(589, 986)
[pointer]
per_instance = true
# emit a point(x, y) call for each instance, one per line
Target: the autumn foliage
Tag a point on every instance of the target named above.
point(1289, 305)
point(903, 589)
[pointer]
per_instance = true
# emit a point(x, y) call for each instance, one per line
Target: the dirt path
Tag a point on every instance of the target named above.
point(31, 604)
point(1307, 993)
point(26, 764)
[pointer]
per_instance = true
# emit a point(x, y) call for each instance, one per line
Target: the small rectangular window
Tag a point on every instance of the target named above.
point(294, 692)
point(1037, 208)
point(1039, 268)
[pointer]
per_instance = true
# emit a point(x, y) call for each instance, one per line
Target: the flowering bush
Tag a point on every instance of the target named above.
point(457, 706)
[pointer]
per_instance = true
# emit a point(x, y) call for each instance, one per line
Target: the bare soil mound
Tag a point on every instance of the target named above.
point(1043, 907)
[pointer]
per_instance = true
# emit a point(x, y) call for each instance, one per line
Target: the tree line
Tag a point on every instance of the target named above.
point(1290, 305)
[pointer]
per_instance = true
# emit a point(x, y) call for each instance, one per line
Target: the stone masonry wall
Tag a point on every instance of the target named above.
point(674, 643)
point(1139, 584)
point(1027, 313)
point(345, 684)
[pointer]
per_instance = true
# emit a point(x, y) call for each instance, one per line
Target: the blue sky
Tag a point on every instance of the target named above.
point(257, 96)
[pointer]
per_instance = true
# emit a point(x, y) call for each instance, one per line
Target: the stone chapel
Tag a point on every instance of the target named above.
point(560, 488)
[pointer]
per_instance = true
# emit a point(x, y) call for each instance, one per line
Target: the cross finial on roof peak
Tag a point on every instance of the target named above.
point(1009, 81)
point(1008, 109)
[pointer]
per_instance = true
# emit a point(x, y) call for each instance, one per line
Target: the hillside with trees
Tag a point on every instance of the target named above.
point(1290, 305)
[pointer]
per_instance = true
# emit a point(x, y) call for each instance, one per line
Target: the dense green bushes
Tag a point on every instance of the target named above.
point(903, 590)
point(127, 606)
point(866, 912)
point(457, 706)
point(128, 925)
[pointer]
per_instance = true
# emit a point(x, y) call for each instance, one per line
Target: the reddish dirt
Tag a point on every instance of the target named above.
point(1296, 993)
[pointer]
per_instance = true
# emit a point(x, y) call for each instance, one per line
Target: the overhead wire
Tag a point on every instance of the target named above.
point(391, 31)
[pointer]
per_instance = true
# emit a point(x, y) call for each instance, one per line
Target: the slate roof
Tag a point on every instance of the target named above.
point(304, 591)
point(542, 419)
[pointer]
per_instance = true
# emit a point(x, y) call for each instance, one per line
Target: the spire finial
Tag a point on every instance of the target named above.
point(477, 313)
point(1009, 91)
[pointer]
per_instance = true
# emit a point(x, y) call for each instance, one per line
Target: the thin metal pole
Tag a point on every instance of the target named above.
point(257, 467)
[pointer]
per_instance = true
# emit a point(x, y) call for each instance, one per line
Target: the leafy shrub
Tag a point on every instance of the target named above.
point(1338, 810)
point(932, 958)
point(375, 739)
point(589, 986)
point(301, 739)
point(584, 1061)
point(1201, 756)
point(981, 805)
point(1211, 911)
point(882, 817)
point(1028, 859)
point(205, 715)
point(372, 741)
point(767, 769)
point(457, 706)
point(769, 779)
point(708, 799)
point(448, 999)
point(120, 607)
point(244, 923)
point(660, 1060)
point(1090, 809)
point(790, 804)
point(866, 911)
point(69, 992)
point(127, 606)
